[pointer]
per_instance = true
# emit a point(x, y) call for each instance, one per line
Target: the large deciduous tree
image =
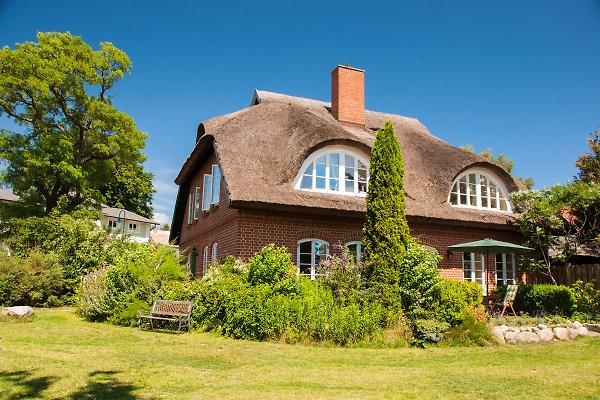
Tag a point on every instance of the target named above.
point(69, 144)
point(502, 161)
point(589, 163)
point(385, 233)
point(558, 222)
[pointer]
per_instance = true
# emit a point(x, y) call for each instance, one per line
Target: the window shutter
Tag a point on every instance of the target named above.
point(197, 203)
point(206, 192)
point(190, 208)
point(216, 184)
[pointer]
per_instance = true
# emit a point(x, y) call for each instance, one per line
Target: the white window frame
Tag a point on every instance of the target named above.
point(206, 192)
point(112, 224)
point(204, 260)
point(358, 255)
point(215, 184)
point(327, 152)
point(471, 272)
point(197, 203)
point(190, 209)
point(135, 225)
point(214, 253)
point(509, 275)
point(313, 263)
point(480, 191)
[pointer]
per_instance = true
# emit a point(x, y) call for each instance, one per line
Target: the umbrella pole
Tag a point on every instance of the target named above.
point(485, 271)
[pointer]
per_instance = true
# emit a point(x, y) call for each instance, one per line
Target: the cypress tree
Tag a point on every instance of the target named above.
point(385, 233)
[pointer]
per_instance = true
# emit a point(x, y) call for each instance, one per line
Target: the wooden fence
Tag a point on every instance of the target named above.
point(568, 274)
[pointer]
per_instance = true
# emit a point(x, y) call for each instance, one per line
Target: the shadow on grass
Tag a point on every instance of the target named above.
point(25, 385)
point(104, 385)
point(100, 385)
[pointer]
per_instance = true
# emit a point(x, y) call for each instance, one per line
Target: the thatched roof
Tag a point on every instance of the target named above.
point(261, 150)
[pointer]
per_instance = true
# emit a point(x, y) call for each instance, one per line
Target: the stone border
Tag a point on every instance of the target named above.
point(543, 333)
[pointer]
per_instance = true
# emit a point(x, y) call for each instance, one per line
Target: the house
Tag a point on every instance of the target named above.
point(7, 196)
point(119, 220)
point(295, 171)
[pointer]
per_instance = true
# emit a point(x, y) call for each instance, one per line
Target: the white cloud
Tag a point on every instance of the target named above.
point(162, 218)
point(165, 187)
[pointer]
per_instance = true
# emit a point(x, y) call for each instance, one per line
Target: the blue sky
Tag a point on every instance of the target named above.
point(519, 77)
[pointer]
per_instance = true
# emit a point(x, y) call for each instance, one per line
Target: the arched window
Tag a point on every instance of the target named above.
point(335, 169)
point(481, 190)
point(355, 248)
point(204, 260)
point(214, 253)
point(310, 253)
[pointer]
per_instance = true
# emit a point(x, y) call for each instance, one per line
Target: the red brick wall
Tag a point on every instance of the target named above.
point(348, 95)
point(259, 228)
point(243, 232)
point(441, 236)
point(219, 225)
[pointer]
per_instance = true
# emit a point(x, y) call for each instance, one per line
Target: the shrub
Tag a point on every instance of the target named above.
point(34, 281)
point(79, 245)
point(428, 331)
point(545, 299)
point(457, 299)
point(293, 309)
point(420, 285)
point(473, 330)
point(270, 265)
point(587, 299)
point(118, 293)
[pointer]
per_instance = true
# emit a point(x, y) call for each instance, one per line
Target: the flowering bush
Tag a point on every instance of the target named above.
point(345, 277)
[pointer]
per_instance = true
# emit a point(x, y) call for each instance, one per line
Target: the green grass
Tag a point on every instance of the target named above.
point(57, 356)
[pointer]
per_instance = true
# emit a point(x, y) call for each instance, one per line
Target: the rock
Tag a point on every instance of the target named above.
point(577, 324)
point(498, 334)
point(542, 326)
point(573, 333)
point(571, 325)
point(561, 333)
point(535, 329)
point(18, 311)
point(503, 328)
point(593, 334)
point(527, 337)
point(583, 331)
point(514, 329)
point(510, 337)
point(545, 335)
point(592, 327)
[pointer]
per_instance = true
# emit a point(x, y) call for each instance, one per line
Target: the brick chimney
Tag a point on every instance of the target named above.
point(348, 96)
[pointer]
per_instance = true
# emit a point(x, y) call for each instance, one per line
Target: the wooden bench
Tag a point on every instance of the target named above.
point(167, 310)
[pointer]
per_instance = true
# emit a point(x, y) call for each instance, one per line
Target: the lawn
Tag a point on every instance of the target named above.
point(58, 355)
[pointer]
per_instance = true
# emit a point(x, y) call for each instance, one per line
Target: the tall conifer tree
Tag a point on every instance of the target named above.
point(386, 233)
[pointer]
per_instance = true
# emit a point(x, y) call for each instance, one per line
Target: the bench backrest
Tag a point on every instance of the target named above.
point(511, 293)
point(174, 308)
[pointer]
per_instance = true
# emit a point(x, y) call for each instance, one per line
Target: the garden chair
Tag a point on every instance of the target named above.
point(509, 299)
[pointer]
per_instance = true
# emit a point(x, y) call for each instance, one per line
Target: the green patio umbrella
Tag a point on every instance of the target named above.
point(489, 246)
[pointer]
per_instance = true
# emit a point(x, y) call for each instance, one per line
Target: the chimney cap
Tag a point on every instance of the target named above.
point(348, 67)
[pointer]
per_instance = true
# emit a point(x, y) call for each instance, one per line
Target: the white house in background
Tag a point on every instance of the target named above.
point(128, 222)
point(7, 195)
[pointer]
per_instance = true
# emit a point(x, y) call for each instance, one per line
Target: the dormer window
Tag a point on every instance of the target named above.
point(481, 190)
point(334, 170)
